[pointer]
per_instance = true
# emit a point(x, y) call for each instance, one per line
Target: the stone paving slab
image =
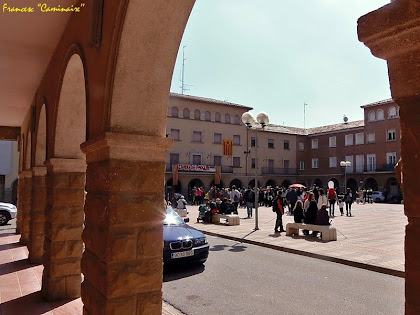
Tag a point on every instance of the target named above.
point(372, 237)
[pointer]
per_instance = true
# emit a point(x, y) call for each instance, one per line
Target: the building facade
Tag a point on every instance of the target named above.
point(9, 164)
point(279, 155)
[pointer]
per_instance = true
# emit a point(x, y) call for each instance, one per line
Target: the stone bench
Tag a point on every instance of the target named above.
point(329, 233)
point(232, 219)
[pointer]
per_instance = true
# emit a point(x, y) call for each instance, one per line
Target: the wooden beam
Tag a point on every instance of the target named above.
point(9, 133)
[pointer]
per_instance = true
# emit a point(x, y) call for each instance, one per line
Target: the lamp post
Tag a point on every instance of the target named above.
point(249, 121)
point(345, 164)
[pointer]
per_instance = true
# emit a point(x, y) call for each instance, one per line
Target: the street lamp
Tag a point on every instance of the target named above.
point(345, 164)
point(249, 121)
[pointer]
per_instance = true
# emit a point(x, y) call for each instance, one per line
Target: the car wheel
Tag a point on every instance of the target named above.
point(377, 200)
point(394, 200)
point(4, 217)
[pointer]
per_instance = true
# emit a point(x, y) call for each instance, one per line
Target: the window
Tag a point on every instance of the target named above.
point(236, 120)
point(196, 136)
point(333, 142)
point(286, 165)
point(174, 158)
point(380, 115)
point(301, 146)
point(390, 135)
point(236, 140)
point(270, 166)
point(186, 113)
point(360, 163)
point(359, 138)
point(333, 161)
point(301, 165)
point(371, 162)
point(217, 160)
point(371, 116)
point(175, 134)
point(348, 140)
point(236, 162)
point(253, 163)
point(286, 145)
point(207, 116)
point(314, 143)
point(271, 143)
point(197, 115)
point(253, 142)
point(217, 138)
point(370, 137)
point(391, 158)
point(217, 117)
point(392, 112)
point(174, 112)
point(315, 163)
point(227, 119)
point(196, 159)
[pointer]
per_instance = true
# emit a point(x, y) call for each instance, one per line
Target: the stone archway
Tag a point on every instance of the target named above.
point(286, 183)
point(352, 184)
point(371, 183)
point(271, 183)
point(170, 189)
point(336, 182)
point(66, 172)
point(252, 183)
point(318, 183)
point(236, 182)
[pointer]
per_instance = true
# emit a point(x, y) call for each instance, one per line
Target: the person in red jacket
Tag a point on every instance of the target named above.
point(278, 209)
point(332, 198)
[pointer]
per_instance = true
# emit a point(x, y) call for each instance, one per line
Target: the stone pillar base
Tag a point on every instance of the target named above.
point(25, 207)
point(124, 208)
point(56, 289)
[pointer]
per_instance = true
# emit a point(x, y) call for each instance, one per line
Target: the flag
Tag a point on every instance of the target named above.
point(217, 175)
point(175, 174)
point(227, 147)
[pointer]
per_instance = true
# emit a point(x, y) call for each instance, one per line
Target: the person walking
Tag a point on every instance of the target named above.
point(348, 199)
point(278, 209)
point(332, 199)
point(249, 198)
point(322, 198)
point(291, 197)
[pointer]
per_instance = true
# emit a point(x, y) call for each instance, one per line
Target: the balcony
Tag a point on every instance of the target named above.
point(278, 171)
point(388, 167)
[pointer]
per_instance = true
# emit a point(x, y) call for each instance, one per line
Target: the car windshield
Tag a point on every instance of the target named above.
point(172, 218)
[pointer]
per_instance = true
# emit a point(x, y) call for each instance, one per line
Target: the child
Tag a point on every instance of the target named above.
point(341, 205)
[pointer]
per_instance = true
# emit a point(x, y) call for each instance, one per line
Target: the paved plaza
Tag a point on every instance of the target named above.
point(372, 238)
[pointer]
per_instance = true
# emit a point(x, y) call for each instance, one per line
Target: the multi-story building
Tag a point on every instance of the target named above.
point(279, 155)
point(9, 160)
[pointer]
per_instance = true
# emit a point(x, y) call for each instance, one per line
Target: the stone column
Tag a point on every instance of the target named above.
point(122, 262)
point(392, 33)
point(63, 244)
point(19, 218)
point(25, 196)
point(37, 224)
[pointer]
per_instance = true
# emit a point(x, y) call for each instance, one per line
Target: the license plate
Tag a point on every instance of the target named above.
point(182, 254)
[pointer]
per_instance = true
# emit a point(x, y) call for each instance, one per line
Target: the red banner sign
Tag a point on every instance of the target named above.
point(227, 147)
point(195, 168)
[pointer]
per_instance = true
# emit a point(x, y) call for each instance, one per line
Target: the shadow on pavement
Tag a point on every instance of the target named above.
point(175, 272)
point(16, 265)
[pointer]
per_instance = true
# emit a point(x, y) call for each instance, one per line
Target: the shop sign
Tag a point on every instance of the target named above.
point(195, 168)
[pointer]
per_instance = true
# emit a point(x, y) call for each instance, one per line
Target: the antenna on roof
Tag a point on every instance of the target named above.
point(183, 85)
point(304, 115)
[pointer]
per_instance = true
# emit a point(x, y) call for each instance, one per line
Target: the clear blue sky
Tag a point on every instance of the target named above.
point(274, 55)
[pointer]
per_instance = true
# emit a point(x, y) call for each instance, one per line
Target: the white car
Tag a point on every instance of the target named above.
point(7, 212)
point(378, 196)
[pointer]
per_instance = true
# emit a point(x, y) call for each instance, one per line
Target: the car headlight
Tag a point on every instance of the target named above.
point(200, 241)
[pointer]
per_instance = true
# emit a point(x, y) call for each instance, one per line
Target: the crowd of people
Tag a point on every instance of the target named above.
point(312, 205)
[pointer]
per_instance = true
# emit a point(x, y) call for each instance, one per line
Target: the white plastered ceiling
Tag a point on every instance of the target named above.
point(27, 42)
